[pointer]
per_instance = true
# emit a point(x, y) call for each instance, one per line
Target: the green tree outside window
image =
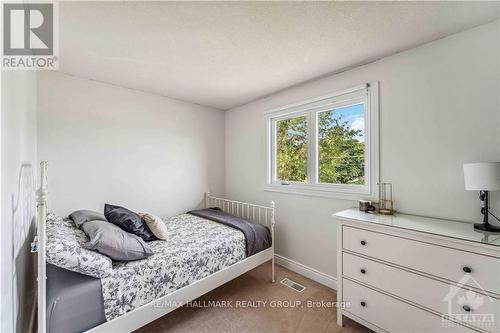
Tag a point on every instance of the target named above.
point(341, 150)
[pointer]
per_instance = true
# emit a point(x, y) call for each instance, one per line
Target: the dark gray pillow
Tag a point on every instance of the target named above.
point(82, 216)
point(128, 221)
point(110, 240)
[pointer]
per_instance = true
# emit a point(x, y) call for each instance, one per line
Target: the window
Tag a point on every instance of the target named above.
point(326, 146)
point(291, 149)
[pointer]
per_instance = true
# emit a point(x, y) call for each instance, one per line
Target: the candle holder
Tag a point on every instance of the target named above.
point(385, 203)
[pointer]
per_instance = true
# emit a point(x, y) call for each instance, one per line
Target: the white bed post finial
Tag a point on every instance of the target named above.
point(42, 192)
point(41, 206)
point(207, 199)
point(273, 240)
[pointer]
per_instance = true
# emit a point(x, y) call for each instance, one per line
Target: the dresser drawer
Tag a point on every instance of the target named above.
point(430, 293)
point(436, 260)
point(393, 315)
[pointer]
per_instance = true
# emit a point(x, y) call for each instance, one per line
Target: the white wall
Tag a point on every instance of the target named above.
point(107, 144)
point(439, 108)
point(18, 146)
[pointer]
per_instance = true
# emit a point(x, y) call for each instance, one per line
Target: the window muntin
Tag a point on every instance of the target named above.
point(292, 149)
point(341, 145)
point(358, 146)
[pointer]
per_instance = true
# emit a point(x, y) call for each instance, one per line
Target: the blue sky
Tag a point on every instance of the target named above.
point(354, 114)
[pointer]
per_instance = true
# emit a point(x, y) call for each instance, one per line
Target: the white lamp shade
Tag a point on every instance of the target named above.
point(482, 176)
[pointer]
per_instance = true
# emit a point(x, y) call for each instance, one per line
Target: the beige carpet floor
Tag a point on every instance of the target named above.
point(269, 308)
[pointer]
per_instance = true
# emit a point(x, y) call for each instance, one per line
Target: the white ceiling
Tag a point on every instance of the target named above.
point(225, 54)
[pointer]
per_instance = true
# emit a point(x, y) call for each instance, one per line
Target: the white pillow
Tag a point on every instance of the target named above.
point(156, 225)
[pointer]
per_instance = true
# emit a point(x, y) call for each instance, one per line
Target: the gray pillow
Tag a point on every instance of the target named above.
point(112, 241)
point(82, 216)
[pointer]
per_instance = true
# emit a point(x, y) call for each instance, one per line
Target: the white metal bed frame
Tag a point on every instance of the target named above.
point(151, 311)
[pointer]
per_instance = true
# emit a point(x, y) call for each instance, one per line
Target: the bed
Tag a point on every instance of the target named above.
point(201, 255)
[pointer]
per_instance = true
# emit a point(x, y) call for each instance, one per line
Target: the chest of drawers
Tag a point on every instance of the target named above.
point(414, 274)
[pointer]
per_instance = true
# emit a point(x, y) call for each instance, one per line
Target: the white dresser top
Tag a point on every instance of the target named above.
point(447, 228)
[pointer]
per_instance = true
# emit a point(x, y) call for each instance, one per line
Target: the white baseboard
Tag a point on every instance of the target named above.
point(307, 271)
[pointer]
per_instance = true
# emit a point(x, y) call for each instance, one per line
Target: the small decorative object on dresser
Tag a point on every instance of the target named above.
point(366, 206)
point(483, 177)
point(385, 203)
point(406, 273)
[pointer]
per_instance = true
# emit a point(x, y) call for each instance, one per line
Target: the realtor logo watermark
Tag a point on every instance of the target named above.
point(30, 36)
point(468, 306)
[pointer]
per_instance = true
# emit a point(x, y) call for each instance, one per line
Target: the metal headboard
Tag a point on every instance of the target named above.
point(23, 215)
point(255, 213)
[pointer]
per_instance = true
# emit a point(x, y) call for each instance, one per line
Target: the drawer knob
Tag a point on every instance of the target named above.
point(466, 308)
point(363, 271)
point(363, 242)
point(363, 304)
point(467, 269)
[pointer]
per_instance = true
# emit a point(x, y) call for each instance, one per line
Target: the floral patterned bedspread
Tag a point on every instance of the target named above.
point(196, 248)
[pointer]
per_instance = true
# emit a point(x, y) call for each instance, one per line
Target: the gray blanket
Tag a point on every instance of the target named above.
point(257, 236)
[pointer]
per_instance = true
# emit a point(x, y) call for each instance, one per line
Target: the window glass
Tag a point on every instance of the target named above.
point(291, 149)
point(341, 145)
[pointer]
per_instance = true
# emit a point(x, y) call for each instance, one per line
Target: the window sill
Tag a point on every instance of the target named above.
point(315, 192)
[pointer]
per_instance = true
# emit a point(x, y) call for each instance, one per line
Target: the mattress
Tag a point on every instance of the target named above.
point(196, 248)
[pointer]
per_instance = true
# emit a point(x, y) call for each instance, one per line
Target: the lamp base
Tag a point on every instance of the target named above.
point(486, 227)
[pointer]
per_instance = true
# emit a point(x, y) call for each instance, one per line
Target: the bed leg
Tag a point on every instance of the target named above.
point(272, 270)
point(273, 207)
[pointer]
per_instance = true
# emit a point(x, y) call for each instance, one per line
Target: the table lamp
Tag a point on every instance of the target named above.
point(483, 177)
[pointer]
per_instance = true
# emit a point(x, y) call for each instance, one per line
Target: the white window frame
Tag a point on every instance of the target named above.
point(366, 93)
